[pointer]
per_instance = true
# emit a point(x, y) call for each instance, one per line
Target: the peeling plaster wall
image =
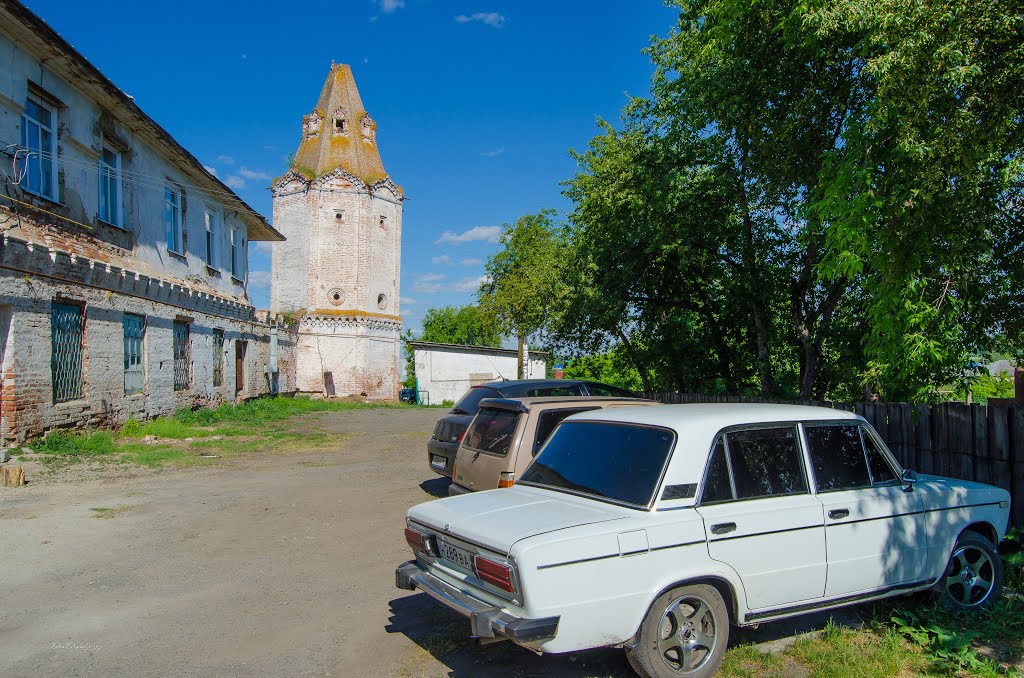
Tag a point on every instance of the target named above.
point(83, 127)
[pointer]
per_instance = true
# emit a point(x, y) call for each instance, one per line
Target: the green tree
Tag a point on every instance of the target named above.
point(524, 282)
point(468, 325)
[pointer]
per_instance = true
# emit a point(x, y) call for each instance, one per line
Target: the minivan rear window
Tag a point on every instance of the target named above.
point(622, 463)
point(492, 431)
point(470, 403)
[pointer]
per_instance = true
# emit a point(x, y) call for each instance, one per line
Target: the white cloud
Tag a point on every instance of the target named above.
point(406, 301)
point(225, 160)
point(244, 56)
point(493, 154)
point(211, 170)
point(430, 277)
point(470, 284)
point(492, 19)
point(259, 279)
point(443, 259)
point(471, 262)
point(486, 233)
point(255, 176)
point(235, 181)
point(261, 246)
point(427, 288)
point(389, 6)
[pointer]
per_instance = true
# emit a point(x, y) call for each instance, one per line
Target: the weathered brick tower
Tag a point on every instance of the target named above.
point(337, 273)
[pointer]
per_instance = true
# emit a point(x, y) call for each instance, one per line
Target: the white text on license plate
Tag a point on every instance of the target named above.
point(456, 555)
point(437, 461)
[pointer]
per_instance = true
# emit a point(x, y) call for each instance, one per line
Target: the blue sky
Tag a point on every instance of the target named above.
point(477, 103)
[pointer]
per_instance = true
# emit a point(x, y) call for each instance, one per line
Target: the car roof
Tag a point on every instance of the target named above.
point(529, 402)
point(693, 418)
point(514, 384)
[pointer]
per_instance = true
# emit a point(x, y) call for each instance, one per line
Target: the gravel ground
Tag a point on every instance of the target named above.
point(270, 565)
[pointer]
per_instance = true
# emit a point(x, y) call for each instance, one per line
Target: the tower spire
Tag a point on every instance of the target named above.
point(339, 132)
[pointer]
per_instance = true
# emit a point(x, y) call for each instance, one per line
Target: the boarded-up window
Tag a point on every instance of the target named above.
point(134, 369)
point(182, 356)
point(67, 339)
point(218, 357)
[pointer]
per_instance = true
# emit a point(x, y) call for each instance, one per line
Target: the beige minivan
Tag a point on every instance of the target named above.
point(507, 433)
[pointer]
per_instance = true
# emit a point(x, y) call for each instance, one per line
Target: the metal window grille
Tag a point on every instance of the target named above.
point(134, 371)
point(218, 358)
point(67, 350)
point(182, 356)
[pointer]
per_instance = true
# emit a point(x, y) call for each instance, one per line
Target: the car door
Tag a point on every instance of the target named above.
point(874, 530)
point(760, 517)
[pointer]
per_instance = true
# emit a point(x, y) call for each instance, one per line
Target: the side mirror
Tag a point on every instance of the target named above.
point(909, 478)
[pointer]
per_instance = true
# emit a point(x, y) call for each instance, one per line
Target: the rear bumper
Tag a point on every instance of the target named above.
point(455, 489)
point(485, 620)
point(445, 450)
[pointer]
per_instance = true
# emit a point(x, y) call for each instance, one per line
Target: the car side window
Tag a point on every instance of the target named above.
point(554, 391)
point(837, 455)
point(717, 485)
point(547, 422)
point(881, 470)
point(766, 462)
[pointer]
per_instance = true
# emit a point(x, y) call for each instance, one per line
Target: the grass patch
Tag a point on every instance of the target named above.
point(254, 426)
point(106, 513)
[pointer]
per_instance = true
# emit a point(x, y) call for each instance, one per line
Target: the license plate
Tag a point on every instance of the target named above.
point(456, 555)
point(437, 461)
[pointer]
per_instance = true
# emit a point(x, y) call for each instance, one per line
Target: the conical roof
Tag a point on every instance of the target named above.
point(339, 132)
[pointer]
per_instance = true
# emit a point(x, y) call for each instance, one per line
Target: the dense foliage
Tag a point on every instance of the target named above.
point(816, 200)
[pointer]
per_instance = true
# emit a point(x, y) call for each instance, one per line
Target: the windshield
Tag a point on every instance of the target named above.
point(492, 431)
point(470, 402)
point(617, 462)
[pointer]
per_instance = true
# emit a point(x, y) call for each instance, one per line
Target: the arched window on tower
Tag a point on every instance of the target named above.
point(340, 125)
point(313, 123)
point(369, 128)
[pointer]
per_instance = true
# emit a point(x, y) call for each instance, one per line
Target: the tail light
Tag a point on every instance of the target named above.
point(498, 575)
point(420, 542)
point(506, 479)
point(462, 435)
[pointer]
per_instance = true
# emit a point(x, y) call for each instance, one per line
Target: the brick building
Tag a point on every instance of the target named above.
point(122, 260)
point(337, 272)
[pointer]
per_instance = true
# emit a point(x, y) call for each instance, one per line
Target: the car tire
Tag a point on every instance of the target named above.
point(973, 578)
point(685, 633)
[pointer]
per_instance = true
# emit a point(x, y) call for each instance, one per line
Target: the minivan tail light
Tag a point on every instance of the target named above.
point(498, 575)
point(506, 479)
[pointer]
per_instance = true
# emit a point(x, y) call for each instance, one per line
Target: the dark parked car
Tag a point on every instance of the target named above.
point(407, 395)
point(444, 443)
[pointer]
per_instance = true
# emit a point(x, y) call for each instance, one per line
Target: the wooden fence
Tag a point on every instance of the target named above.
point(971, 442)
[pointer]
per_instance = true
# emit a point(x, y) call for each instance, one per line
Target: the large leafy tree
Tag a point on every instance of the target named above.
point(524, 283)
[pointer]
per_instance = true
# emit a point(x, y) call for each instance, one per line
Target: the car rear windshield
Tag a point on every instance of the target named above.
point(492, 431)
point(617, 462)
point(470, 402)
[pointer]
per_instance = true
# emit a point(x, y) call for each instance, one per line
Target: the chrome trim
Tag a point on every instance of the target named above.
point(485, 620)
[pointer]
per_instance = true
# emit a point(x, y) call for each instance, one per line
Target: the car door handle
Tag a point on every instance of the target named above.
point(838, 514)
point(723, 528)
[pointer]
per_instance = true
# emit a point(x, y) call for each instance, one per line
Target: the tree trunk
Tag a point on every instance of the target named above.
point(631, 350)
point(750, 263)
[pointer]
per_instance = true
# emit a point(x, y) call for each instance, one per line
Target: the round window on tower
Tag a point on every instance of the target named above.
point(336, 297)
point(382, 301)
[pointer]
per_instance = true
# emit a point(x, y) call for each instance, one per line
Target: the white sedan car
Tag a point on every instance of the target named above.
point(655, 528)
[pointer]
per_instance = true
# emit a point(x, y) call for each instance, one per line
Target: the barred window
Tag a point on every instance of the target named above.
point(67, 338)
point(182, 356)
point(218, 357)
point(134, 367)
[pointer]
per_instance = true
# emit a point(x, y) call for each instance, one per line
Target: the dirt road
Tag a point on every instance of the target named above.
point(271, 565)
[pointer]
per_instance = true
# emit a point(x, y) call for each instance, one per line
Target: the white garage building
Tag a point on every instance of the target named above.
point(447, 371)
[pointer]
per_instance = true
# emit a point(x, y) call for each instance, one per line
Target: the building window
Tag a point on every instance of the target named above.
point(134, 366)
point(383, 223)
point(110, 186)
point(218, 357)
point(67, 351)
point(212, 239)
point(237, 253)
point(172, 220)
point(182, 356)
point(38, 138)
